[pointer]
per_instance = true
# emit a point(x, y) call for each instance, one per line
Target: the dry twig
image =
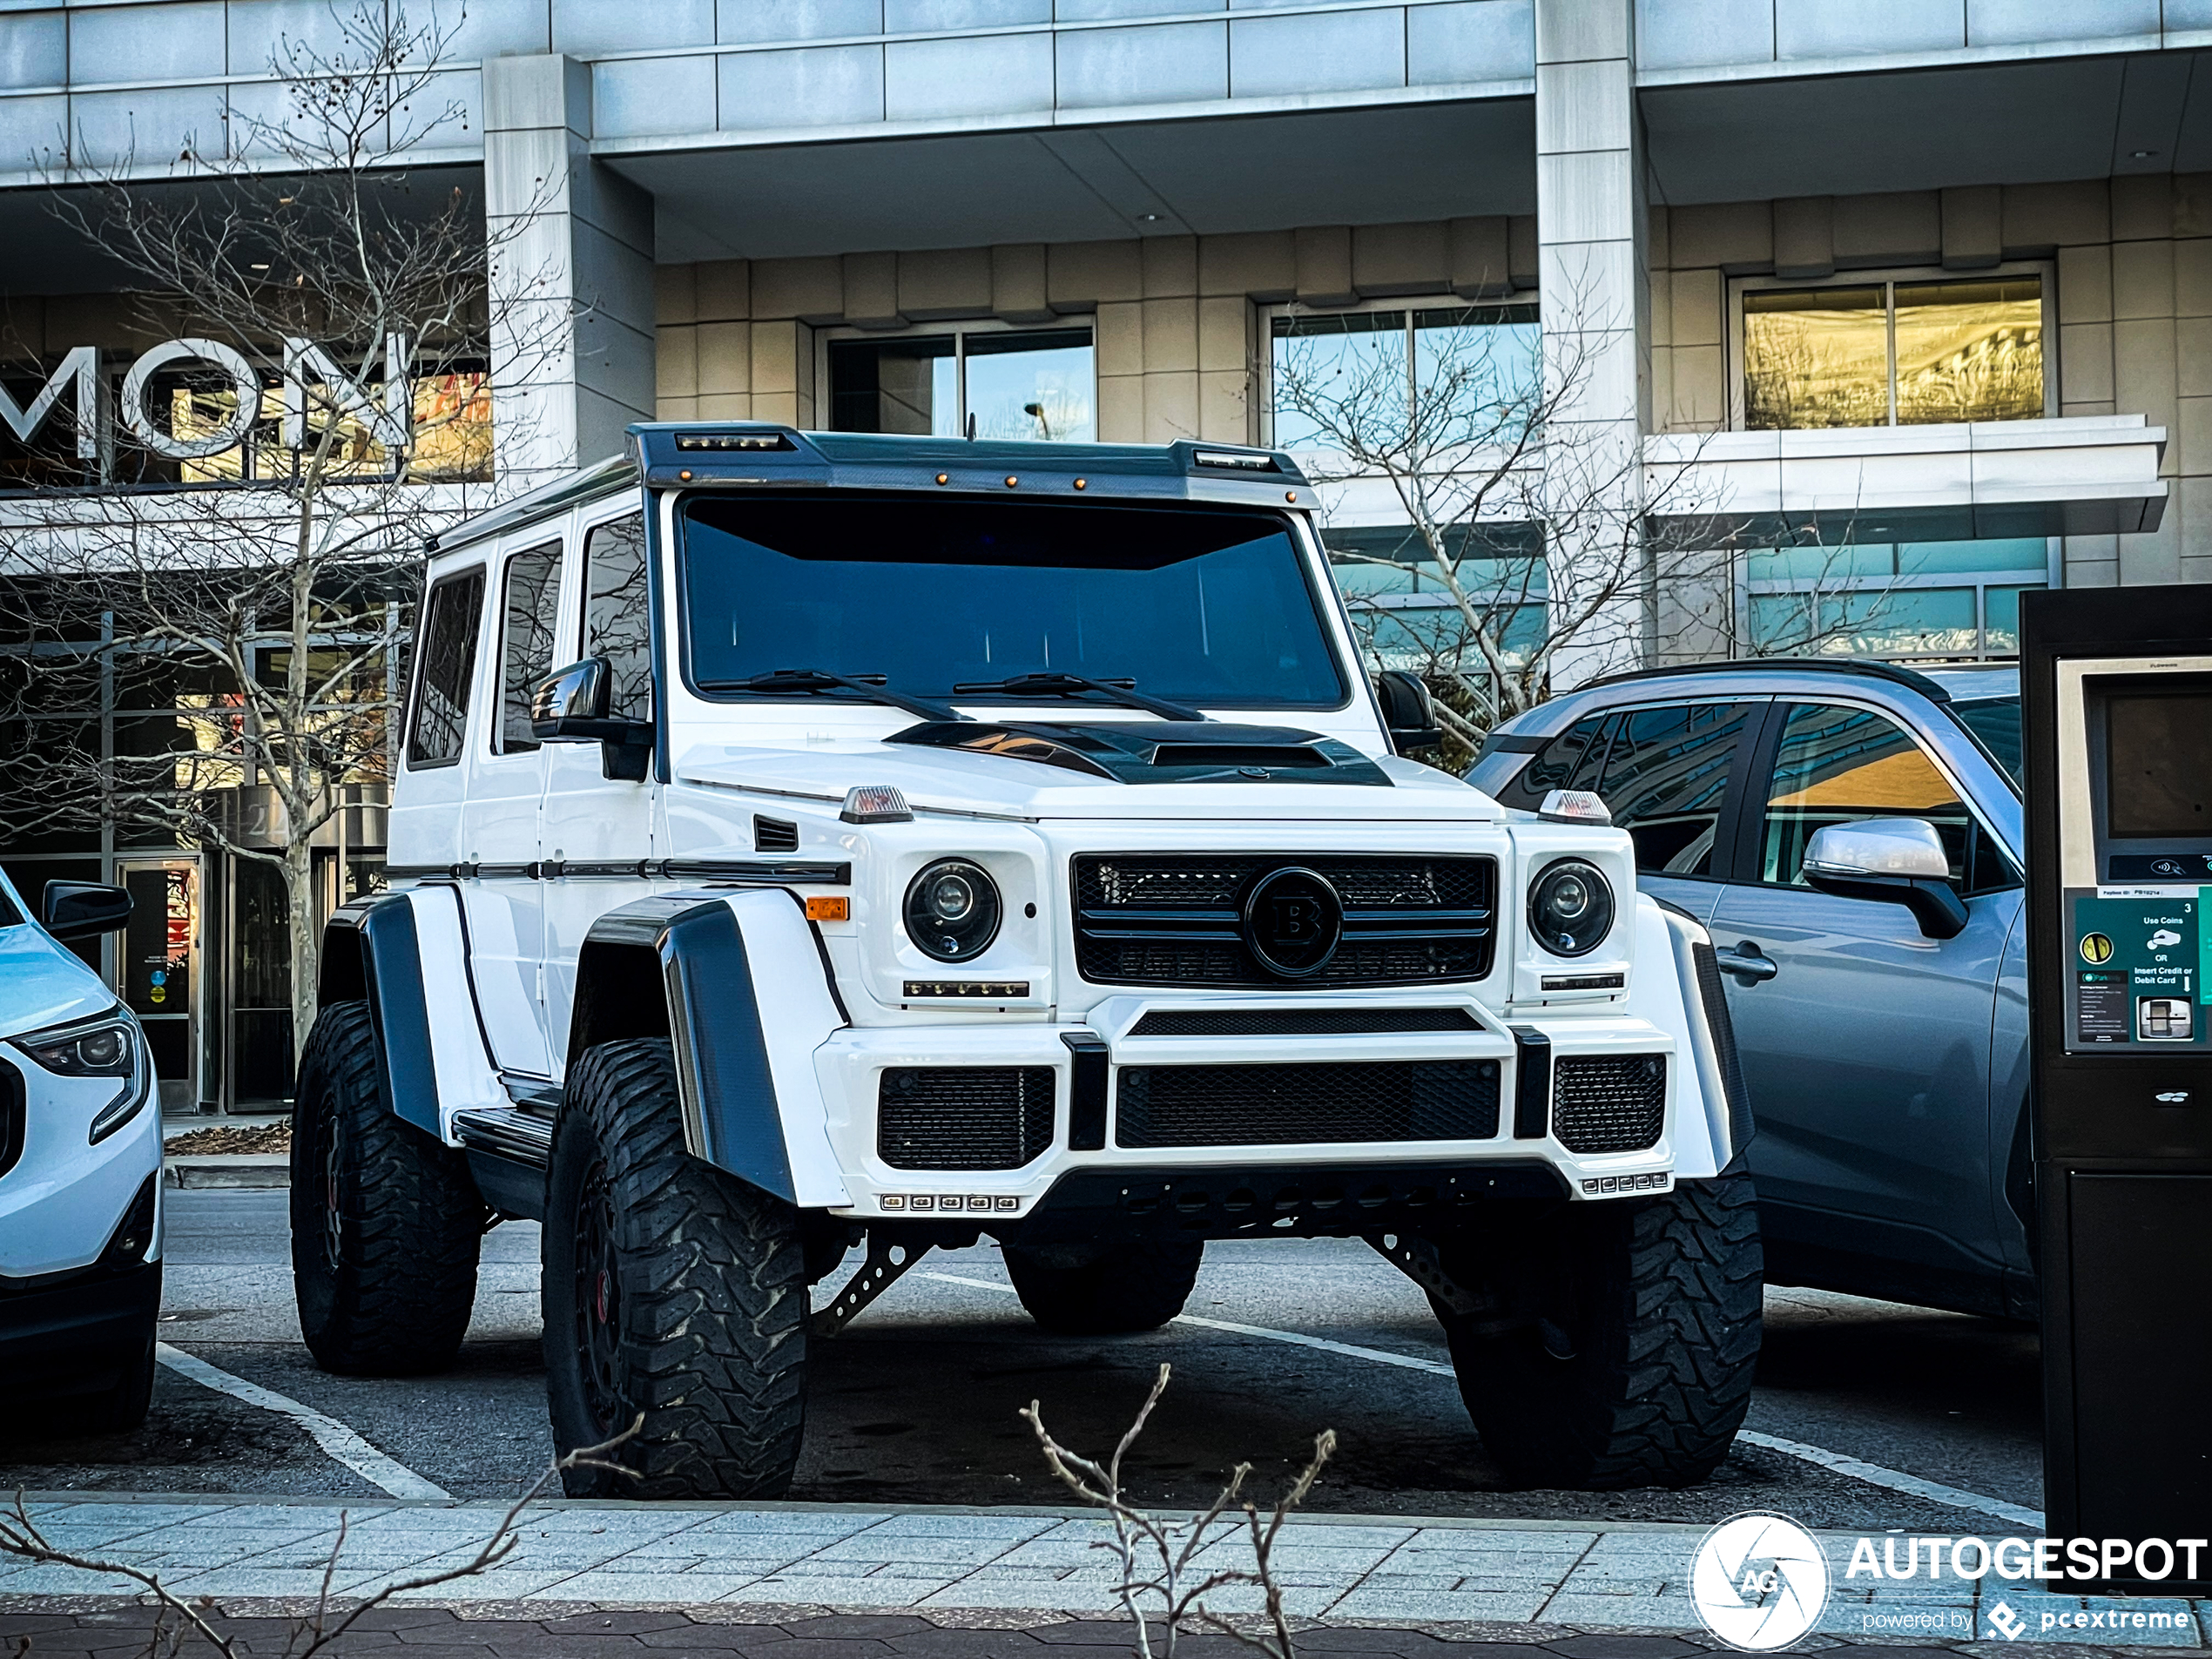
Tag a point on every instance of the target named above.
point(177, 1618)
point(1141, 1540)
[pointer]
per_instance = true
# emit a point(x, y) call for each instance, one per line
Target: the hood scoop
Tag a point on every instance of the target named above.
point(1160, 751)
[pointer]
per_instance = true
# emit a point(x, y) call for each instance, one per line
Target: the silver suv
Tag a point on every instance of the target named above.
point(1878, 986)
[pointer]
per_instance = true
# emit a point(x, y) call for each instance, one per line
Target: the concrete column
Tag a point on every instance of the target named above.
point(571, 275)
point(1591, 225)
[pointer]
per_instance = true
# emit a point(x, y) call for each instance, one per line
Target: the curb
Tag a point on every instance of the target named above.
point(228, 1170)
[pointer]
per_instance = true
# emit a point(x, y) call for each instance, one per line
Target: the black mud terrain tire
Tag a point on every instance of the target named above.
point(672, 1289)
point(386, 1220)
point(1080, 1292)
point(1638, 1371)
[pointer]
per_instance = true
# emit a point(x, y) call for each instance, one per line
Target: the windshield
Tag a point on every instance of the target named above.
point(1196, 605)
point(1996, 722)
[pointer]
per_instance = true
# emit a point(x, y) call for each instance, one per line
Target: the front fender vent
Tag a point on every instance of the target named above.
point(774, 835)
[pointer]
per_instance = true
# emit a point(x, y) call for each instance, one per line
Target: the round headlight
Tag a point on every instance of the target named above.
point(1570, 908)
point(953, 910)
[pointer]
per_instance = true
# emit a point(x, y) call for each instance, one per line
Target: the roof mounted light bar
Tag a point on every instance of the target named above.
point(1240, 460)
point(733, 441)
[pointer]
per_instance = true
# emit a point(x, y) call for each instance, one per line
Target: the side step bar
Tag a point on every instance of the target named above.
point(508, 1149)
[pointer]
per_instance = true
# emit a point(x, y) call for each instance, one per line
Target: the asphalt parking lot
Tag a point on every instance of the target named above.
point(915, 1402)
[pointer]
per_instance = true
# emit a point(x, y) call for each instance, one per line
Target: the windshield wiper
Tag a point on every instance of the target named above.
point(1053, 685)
point(784, 682)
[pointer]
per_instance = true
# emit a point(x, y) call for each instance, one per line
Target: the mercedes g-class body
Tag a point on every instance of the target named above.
point(806, 840)
point(80, 1169)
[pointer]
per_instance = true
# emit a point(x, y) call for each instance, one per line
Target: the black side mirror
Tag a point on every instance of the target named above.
point(569, 705)
point(1409, 712)
point(83, 909)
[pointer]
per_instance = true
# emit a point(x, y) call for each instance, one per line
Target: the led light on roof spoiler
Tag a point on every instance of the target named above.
point(1574, 807)
point(1243, 462)
point(733, 441)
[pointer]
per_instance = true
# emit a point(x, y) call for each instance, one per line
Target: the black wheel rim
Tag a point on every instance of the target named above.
point(598, 1301)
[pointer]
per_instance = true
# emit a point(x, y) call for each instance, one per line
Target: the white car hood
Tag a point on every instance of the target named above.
point(950, 781)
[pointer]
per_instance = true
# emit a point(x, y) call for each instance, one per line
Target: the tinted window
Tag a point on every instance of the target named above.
point(528, 618)
point(1665, 778)
point(1568, 761)
point(1199, 605)
point(617, 614)
point(1996, 721)
point(449, 655)
point(1836, 765)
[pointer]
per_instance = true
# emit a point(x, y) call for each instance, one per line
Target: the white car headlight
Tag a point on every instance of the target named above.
point(107, 1046)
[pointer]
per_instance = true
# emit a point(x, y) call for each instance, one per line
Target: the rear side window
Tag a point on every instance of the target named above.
point(1665, 780)
point(529, 613)
point(1568, 761)
point(448, 658)
point(618, 617)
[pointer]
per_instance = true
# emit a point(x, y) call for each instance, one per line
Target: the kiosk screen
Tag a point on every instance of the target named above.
point(2159, 765)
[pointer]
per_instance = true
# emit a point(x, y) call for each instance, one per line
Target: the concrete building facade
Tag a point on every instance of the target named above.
point(1909, 298)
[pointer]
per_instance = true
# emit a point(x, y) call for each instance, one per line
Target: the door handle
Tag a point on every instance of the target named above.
point(1748, 962)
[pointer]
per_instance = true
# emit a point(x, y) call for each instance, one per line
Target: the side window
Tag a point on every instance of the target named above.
point(1837, 764)
point(1568, 761)
point(617, 619)
point(529, 613)
point(448, 650)
point(1666, 779)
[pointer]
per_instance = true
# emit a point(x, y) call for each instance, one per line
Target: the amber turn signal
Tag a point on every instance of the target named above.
point(822, 907)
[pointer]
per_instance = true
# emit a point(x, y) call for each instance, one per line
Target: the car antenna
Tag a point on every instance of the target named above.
point(971, 426)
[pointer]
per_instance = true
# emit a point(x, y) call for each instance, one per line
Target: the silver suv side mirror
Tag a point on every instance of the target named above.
point(1893, 860)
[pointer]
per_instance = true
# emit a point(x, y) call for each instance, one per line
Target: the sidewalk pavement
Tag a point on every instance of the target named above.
point(223, 1169)
point(1519, 1581)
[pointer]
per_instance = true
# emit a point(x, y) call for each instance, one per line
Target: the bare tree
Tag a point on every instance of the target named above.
point(248, 544)
point(1528, 531)
point(1158, 1562)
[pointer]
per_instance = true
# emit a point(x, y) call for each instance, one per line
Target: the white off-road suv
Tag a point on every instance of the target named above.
point(802, 839)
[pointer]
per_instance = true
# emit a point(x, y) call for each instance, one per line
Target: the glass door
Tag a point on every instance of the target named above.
point(159, 966)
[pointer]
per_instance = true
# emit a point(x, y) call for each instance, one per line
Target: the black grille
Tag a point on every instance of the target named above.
point(11, 1117)
point(963, 1117)
point(774, 835)
point(1174, 918)
point(1271, 1105)
point(1299, 1022)
point(1612, 1103)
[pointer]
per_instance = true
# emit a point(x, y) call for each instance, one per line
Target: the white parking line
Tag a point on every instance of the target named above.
point(333, 1436)
point(1835, 1462)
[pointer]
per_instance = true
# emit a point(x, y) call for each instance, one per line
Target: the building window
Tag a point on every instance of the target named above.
point(1953, 600)
point(1894, 353)
point(1400, 370)
point(1030, 383)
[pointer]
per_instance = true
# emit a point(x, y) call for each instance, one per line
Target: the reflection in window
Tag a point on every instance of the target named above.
point(1371, 368)
point(1923, 599)
point(526, 654)
point(1894, 353)
point(1019, 384)
point(447, 648)
point(617, 622)
point(1837, 765)
point(1666, 777)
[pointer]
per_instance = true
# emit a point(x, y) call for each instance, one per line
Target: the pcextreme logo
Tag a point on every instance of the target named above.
point(1759, 1581)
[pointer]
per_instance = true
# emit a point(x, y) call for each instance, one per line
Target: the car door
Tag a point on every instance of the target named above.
point(499, 822)
point(1865, 1045)
point(591, 820)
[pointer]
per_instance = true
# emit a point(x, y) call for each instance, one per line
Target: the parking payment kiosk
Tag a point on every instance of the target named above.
point(2116, 716)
